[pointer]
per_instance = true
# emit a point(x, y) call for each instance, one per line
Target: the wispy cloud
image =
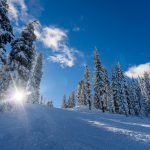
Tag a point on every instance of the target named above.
point(57, 40)
point(138, 71)
point(17, 10)
point(66, 57)
point(52, 37)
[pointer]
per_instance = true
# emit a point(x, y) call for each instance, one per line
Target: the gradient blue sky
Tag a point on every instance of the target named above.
point(119, 29)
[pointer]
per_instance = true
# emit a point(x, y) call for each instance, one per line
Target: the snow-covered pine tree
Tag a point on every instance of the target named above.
point(64, 102)
point(87, 86)
point(128, 98)
point(4, 84)
point(6, 36)
point(50, 104)
point(144, 96)
point(147, 83)
point(114, 91)
point(123, 105)
point(4, 81)
point(141, 102)
point(84, 95)
point(111, 107)
point(147, 90)
point(72, 103)
point(135, 96)
point(132, 99)
point(35, 80)
point(107, 93)
point(41, 100)
point(22, 56)
point(78, 93)
point(99, 82)
point(6, 30)
point(31, 82)
point(69, 102)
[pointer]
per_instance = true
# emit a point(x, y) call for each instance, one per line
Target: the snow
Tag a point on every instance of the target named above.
point(36, 127)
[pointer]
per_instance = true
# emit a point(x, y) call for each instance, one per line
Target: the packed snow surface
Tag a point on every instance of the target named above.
point(35, 127)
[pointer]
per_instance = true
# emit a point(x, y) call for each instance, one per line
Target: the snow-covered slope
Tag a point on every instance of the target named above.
point(41, 128)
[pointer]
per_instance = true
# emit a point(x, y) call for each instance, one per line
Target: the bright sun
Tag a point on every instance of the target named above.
point(19, 95)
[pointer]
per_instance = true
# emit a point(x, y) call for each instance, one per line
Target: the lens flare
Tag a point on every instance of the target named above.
point(19, 96)
point(18, 93)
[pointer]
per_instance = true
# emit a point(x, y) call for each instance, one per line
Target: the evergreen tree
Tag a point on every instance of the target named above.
point(143, 97)
point(123, 105)
point(69, 102)
point(140, 99)
point(99, 82)
point(64, 102)
point(114, 91)
point(4, 81)
point(50, 104)
point(87, 86)
point(6, 31)
point(147, 90)
point(35, 80)
point(84, 94)
point(73, 103)
point(22, 56)
point(107, 94)
point(6, 36)
point(135, 96)
point(80, 93)
point(111, 107)
point(132, 99)
point(128, 98)
point(41, 100)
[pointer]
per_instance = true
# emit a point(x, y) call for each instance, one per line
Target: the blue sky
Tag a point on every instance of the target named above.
point(70, 29)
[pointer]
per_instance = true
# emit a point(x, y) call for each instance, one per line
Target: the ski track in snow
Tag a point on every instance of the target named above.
point(36, 127)
point(139, 136)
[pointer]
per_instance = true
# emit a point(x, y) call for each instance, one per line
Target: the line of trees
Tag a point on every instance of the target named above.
point(119, 95)
point(22, 67)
